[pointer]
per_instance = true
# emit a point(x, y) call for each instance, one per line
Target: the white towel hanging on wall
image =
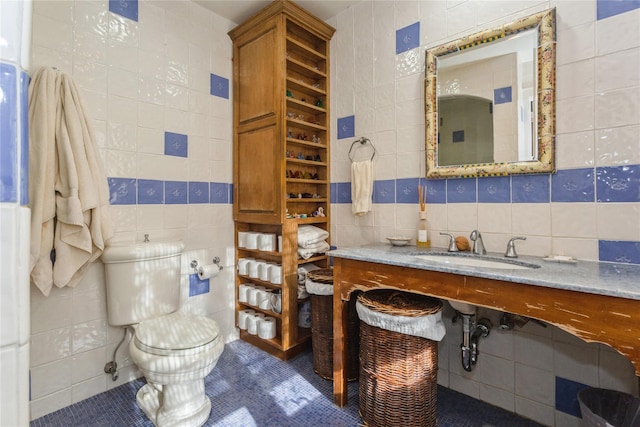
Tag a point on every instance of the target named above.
point(361, 187)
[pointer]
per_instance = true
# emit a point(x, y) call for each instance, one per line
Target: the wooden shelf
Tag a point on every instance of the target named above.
point(304, 106)
point(305, 125)
point(305, 162)
point(295, 46)
point(306, 88)
point(307, 181)
point(259, 282)
point(304, 143)
point(307, 200)
point(266, 312)
point(304, 69)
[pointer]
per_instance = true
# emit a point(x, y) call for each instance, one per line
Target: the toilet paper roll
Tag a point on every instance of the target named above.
point(253, 269)
point(251, 240)
point(243, 266)
point(264, 299)
point(252, 323)
point(267, 242)
point(267, 328)
point(243, 292)
point(243, 315)
point(279, 243)
point(260, 265)
point(242, 239)
point(254, 295)
point(275, 274)
point(263, 271)
point(208, 271)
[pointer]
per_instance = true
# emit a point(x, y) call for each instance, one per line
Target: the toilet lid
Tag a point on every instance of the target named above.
point(175, 332)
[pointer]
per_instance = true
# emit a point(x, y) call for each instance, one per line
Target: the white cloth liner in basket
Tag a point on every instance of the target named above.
point(429, 326)
point(317, 288)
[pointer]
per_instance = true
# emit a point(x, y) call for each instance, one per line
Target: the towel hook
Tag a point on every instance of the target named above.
point(363, 140)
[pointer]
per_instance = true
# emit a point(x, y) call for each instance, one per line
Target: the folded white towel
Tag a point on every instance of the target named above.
point(361, 187)
point(308, 235)
point(320, 248)
point(303, 270)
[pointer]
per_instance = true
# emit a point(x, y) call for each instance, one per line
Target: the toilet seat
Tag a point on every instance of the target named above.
point(176, 334)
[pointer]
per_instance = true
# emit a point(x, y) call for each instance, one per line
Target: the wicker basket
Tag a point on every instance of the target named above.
point(398, 372)
point(322, 330)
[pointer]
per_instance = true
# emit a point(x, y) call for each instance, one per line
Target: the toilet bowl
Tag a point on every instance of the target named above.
point(174, 350)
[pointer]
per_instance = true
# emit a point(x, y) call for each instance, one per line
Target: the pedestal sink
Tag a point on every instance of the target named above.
point(468, 260)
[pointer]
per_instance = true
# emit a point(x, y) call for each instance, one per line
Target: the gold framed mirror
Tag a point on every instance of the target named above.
point(490, 101)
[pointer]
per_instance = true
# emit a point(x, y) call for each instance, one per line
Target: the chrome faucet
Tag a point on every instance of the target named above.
point(511, 247)
point(452, 242)
point(478, 245)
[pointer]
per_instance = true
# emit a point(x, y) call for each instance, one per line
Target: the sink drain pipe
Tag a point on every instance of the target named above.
point(471, 333)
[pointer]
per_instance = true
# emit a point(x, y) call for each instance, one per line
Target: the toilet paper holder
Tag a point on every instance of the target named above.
point(194, 264)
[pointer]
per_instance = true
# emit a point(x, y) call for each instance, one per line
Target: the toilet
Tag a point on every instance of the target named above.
point(175, 351)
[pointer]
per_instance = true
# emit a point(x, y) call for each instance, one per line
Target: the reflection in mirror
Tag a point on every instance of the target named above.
point(486, 112)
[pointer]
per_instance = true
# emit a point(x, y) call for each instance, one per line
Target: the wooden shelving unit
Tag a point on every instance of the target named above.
point(281, 149)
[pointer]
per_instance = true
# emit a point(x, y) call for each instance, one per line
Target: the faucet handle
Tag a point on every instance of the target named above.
point(511, 247)
point(452, 242)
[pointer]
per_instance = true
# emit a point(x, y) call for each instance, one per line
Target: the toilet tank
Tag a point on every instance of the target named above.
point(142, 280)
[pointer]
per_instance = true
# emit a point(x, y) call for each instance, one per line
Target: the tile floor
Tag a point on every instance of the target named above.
point(250, 388)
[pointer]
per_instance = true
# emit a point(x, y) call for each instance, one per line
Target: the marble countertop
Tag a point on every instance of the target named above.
point(604, 278)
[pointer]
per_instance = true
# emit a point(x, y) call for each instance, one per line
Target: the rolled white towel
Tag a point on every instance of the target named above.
point(319, 248)
point(303, 270)
point(309, 235)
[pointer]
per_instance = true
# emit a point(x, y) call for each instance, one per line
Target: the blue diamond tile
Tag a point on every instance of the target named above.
point(495, 189)
point(175, 193)
point(607, 8)
point(197, 286)
point(150, 192)
point(573, 185)
point(346, 127)
point(619, 251)
point(198, 192)
point(122, 191)
point(461, 190)
point(9, 104)
point(218, 192)
point(176, 144)
point(343, 192)
point(219, 86)
point(502, 95)
point(436, 190)
point(618, 184)
point(407, 190)
point(384, 191)
point(408, 38)
point(125, 8)
point(567, 396)
point(530, 188)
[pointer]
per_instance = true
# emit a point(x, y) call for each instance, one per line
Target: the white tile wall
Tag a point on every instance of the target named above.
point(598, 118)
point(138, 80)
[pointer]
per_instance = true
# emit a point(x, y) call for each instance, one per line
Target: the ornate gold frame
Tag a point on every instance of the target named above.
point(546, 24)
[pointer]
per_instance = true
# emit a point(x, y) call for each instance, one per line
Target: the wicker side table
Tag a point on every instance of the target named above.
point(398, 372)
point(321, 294)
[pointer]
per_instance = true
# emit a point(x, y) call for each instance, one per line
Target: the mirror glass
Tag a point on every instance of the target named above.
point(489, 101)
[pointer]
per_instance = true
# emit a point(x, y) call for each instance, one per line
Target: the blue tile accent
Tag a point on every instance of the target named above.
point(619, 251)
point(502, 95)
point(231, 193)
point(334, 192)
point(126, 8)
point(384, 191)
point(150, 192)
point(123, 191)
point(198, 192)
point(407, 190)
point(343, 193)
point(218, 192)
point(607, 8)
point(573, 185)
point(458, 136)
point(346, 127)
point(618, 184)
point(530, 188)
point(461, 190)
point(175, 193)
point(24, 138)
point(8, 134)
point(197, 286)
point(219, 86)
point(567, 396)
point(176, 144)
point(408, 38)
point(436, 190)
point(495, 189)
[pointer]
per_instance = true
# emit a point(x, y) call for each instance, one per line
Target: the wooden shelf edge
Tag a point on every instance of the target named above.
point(274, 347)
point(306, 48)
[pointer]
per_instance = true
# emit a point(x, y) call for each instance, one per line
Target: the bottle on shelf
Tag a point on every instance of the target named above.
point(424, 231)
